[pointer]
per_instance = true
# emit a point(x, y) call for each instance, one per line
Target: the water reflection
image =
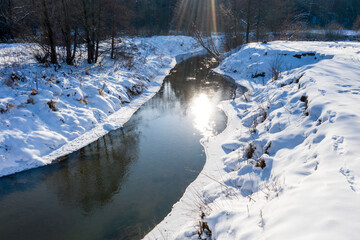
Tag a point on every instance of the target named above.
point(202, 109)
point(99, 171)
point(123, 184)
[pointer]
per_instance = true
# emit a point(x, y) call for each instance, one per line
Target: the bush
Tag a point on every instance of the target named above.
point(334, 32)
point(13, 79)
point(275, 68)
point(356, 25)
point(42, 57)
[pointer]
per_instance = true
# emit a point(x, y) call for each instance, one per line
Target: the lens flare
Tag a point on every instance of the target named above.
point(202, 13)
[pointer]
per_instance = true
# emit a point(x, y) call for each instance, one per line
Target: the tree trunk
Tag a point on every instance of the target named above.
point(258, 21)
point(66, 31)
point(97, 50)
point(248, 21)
point(89, 44)
point(50, 34)
point(75, 45)
point(112, 46)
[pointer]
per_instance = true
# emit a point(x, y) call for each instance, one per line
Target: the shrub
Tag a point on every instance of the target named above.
point(42, 57)
point(13, 79)
point(275, 68)
point(334, 32)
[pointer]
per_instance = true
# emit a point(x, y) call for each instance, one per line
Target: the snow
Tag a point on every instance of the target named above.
point(304, 126)
point(89, 100)
point(286, 167)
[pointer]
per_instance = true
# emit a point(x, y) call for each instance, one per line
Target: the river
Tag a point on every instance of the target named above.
point(122, 185)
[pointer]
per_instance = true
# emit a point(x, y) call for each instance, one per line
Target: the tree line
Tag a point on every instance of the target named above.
point(249, 20)
point(66, 23)
point(69, 23)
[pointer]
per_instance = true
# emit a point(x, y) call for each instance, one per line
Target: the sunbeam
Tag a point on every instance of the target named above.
point(202, 13)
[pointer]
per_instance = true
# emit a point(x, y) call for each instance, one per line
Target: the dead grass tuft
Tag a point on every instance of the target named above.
point(267, 148)
point(101, 92)
point(84, 100)
point(34, 92)
point(52, 106)
point(305, 100)
point(7, 108)
point(260, 163)
point(275, 68)
point(30, 101)
point(13, 79)
point(204, 230)
point(297, 80)
point(263, 114)
point(136, 90)
point(250, 151)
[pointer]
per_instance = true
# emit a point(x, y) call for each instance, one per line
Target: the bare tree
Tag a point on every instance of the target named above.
point(248, 20)
point(69, 28)
point(230, 13)
point(91, 19)
point(118, 17)
point(48, 28)
point(12, 15)
point(208, 44)
point(259, 18)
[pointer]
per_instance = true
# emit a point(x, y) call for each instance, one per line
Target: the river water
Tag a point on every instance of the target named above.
point(122, 185)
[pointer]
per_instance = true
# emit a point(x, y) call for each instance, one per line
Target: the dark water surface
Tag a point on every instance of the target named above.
point(120, 186)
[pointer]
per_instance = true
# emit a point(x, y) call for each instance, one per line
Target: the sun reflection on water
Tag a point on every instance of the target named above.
point(202, 109)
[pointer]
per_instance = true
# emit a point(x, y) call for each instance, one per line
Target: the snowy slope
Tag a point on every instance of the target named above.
point(74, 106)
point(303, 129)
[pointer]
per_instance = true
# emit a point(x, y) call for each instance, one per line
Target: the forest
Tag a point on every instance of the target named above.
point(68, 23)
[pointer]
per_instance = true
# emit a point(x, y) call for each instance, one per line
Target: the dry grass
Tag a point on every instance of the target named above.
point(84, 100)
point(260, 163)
point(101, 92)
point(52, 105)
point(7, 108)
point(305, 100)
point(275, 68)
point(136, 90)
point(13, 79)
point(250, 151)
point(246, 96)
point(267, 147)
point(204, 229)
point(263, 113)
point(33, 92)
point(30, 101)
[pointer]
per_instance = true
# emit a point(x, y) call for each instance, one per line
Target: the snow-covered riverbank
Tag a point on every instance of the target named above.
point(288, 164)
point(74, 106)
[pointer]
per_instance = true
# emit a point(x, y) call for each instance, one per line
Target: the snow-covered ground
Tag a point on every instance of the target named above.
point(74, 106)
point(288, 164)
